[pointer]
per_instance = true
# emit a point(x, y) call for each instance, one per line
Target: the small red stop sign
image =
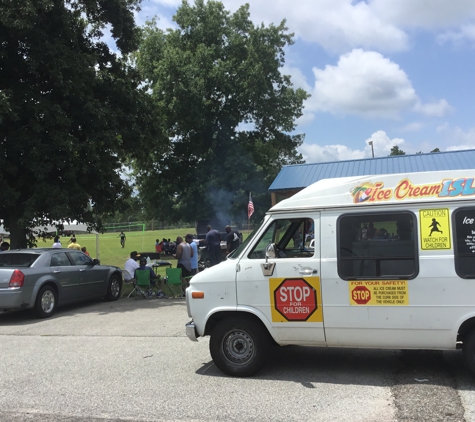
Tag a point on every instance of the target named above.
point(295, 299)
point(361, 295)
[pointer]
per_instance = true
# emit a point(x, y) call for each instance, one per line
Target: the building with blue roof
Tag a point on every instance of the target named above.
point(293, 178)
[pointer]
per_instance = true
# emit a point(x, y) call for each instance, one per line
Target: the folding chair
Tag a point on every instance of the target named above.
point(128, 281)
point(143, 287)
point(175, 282)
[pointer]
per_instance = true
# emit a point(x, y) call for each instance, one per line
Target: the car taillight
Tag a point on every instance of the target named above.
point(17, 279)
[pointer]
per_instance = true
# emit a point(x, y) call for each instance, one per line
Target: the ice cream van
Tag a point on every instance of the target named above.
point(392, 265)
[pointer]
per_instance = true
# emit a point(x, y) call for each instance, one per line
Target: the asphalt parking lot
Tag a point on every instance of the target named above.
point(130, 360)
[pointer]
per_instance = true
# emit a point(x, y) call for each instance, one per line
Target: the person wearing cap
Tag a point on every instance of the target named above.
point(131, 264)
point(153, 277)
point(194, 257)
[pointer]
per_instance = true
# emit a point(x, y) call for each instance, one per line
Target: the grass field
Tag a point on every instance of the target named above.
point(112, 253)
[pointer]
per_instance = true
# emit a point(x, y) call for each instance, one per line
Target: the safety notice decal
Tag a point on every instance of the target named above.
point(379, 293)
point(435, 229)
point(295, 299)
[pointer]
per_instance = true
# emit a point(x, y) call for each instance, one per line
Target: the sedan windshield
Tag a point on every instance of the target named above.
point(17, 259)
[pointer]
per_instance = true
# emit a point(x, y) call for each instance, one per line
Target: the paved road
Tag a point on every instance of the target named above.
point(131, 361)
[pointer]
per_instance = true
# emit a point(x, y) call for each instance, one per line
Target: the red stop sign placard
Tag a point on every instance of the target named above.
point(361, 295)
point(295, 299)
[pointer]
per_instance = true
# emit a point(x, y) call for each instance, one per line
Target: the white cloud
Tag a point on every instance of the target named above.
point(423, 14)
point(412, 127)
point(337, 25)
point(366, 84)
point(363, 83)
point(382, 145)
point(458, 38)
point(313, 153)
point(436, 109)
point(462, 139)
point(341, 25)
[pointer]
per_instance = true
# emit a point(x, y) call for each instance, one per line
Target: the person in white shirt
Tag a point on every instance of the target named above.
point(57, 243)
point(131, 264)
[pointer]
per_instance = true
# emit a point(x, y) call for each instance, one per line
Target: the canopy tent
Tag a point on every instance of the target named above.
point(74, 227)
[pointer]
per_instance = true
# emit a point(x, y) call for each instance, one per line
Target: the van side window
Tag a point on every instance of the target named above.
point(377, 245)
point(291, 236)
point(464, 242)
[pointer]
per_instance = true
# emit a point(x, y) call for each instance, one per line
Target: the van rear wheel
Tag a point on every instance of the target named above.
point(239, 346)
point(469, 350)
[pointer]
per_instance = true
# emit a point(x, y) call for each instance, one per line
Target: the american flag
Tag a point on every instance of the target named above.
point(250, 207)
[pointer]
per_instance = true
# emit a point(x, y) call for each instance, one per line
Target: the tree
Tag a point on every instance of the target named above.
point(70, 111)
point(226, 107)
point(435, 150)
point(396, 151)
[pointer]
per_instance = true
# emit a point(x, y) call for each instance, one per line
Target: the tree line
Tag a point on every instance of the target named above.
point(176, 125)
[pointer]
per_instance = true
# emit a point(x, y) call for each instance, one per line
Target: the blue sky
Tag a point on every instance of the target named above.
point(394, 72)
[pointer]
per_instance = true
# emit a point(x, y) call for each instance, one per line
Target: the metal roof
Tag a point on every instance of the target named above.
point(300, 176)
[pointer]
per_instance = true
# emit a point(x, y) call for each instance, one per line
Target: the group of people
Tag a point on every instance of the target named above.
point(185, 250)
point(72, 244)
point(166, 246)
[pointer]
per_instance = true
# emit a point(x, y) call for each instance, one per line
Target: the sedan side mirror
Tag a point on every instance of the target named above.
point(96, 261)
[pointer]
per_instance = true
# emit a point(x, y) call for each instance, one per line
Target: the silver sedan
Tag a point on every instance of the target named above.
point(43, 279)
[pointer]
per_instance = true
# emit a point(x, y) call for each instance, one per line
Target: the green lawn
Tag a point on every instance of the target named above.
point(110, 250)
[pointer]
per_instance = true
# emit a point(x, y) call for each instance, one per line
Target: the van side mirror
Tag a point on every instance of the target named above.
point(96, 261)
point(271, 251)
point(268, 267)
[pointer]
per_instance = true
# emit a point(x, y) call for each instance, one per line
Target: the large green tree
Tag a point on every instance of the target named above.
point(71, 112)
point(226, 107)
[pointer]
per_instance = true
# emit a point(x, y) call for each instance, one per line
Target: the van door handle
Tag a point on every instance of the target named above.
point(308, 271)
point(56, 272)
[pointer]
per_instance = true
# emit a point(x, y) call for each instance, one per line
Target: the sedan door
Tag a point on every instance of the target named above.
point(67, 275)
point(94, 278)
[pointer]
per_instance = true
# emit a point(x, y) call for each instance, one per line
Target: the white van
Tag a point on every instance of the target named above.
point(393, 266)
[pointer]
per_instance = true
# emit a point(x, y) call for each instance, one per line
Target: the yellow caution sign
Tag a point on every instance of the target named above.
point(435, 229)
point(379, 293)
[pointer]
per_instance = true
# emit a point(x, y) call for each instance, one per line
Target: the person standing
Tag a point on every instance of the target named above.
point(232, 240)
point(183, 255)
point(57, 242)
point(84, 249)
point(213, 242)
point(194, 257)
point(122, 239)
point(74, 244)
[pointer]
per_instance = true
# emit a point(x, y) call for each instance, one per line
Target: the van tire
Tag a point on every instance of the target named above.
point(469, 350)
point(239, 346)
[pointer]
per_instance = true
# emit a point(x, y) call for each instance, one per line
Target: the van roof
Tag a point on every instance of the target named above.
point(382, 189)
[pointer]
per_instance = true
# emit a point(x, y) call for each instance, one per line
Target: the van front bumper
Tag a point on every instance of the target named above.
point(191, 331)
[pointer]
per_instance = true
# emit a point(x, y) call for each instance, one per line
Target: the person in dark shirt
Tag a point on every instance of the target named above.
point(213, 242)
point(233, 239)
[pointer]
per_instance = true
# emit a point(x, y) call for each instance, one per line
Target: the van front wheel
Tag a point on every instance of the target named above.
point(239, 346)
point(469, 350)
